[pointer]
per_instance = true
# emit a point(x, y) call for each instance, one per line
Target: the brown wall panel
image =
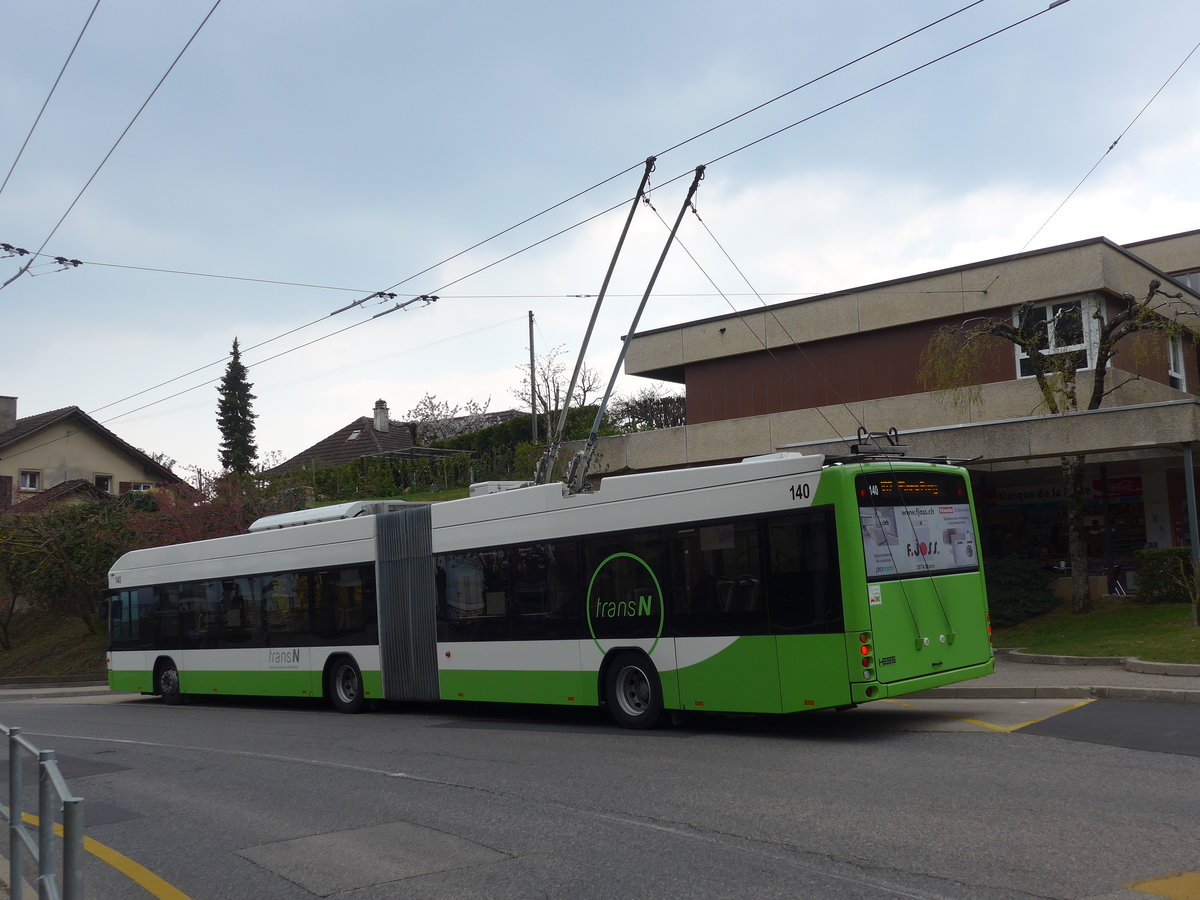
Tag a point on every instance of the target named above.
point(858, 367)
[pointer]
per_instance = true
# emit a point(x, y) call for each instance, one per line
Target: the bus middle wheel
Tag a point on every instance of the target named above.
point(346, 686)
point(633, 691)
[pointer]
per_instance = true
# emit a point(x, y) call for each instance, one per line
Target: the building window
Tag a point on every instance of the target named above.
point(1070, 328)
point(31, 481)
point(1190, 279)
point(354, 435)
point(140, 486)
point(104, 482)
point(1176, 372)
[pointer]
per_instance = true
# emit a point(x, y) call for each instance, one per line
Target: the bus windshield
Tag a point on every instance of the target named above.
point(915, 523)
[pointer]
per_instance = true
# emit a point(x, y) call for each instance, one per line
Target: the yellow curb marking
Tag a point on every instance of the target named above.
point(135, 872)
point(1003, 729)
point(1179, 886)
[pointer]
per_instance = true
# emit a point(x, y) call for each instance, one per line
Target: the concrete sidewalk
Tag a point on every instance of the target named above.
point(1021, 675)
point(40, 690)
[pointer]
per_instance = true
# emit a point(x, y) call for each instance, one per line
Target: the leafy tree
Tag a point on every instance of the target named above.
point(14, 578)
point(235, 417)
point(59, 558)
point(952, 361)
point(648, 409)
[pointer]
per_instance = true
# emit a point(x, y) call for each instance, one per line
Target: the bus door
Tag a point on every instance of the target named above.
point(718, 613)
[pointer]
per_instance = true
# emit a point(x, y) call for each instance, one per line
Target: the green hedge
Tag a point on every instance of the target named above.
point(1164, 576)
point(1018, 589)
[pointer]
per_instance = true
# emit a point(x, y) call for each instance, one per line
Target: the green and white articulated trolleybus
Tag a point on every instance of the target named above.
point(778, 584)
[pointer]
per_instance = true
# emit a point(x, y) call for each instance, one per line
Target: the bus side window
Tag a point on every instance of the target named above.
point(545, 591)
point(802, 581)
point(473, 595)
point(164, 617)
point(717, 580)
point(243, 613)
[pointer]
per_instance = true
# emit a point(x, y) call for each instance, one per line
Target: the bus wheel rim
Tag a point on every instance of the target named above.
point(347, 684)
point(633, 691)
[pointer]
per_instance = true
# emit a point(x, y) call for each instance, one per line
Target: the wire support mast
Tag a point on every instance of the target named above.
point(545, 465)
point(577, 471)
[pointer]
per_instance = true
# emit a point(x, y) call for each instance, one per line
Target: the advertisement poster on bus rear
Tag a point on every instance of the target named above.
point(912, 540)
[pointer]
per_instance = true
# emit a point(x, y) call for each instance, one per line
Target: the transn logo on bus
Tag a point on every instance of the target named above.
point(624, 602)
point(284, 659)
point(611, 609)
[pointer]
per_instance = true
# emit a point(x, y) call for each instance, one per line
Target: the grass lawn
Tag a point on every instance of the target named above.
point(1162, 633)
point(46, 644)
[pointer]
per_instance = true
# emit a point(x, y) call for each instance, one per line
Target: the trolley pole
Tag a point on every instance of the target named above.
point(577, 471)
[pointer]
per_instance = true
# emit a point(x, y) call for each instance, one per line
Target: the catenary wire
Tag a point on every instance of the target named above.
point(673, 147)
point(121, 137)
point(1096, 164)
point(423, 346)
point(46, 102)
point(839, 399)
point(599, 214)
point(746, 146)
point(761, 339)
point(597, 185)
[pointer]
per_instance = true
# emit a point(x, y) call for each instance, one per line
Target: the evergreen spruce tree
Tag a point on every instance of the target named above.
point(235, 418)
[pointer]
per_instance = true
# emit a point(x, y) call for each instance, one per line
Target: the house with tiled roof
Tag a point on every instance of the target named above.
point(77, 490)
point(367, 436)
point(42, 452)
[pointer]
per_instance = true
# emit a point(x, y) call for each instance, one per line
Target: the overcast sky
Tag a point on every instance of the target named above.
point(354, 146)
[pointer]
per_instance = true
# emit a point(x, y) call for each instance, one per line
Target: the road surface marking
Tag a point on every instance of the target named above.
point(991, 726)
point(135, 872)
point(1179, 886)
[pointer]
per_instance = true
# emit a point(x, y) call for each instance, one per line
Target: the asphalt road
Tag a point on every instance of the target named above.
point(929, 798)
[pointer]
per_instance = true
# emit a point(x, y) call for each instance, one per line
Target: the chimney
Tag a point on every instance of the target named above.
point(381, 416)
point(8, 413)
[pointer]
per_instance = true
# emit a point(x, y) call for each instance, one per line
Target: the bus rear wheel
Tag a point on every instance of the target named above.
point(168, 684)
point(633, 691)
point(346, 686)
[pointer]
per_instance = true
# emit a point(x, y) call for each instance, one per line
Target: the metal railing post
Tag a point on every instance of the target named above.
point(53, 794)
point(45, 880)
point(73, 848)
point(16, 788)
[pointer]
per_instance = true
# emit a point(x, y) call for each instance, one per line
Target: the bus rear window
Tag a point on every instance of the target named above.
point(915, 523)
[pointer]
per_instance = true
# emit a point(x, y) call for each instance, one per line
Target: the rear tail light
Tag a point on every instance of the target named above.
point(988, 617)
point(866, 654)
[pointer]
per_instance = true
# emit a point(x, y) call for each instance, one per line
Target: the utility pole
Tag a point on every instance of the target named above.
point(532, 382)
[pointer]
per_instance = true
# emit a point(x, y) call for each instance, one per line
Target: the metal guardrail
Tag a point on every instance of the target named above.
point(50, 786)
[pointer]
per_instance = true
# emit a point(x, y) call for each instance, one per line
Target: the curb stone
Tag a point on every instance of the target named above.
point(1129, 663)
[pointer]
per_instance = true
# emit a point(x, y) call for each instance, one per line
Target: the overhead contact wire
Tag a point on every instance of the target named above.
point(46, 102)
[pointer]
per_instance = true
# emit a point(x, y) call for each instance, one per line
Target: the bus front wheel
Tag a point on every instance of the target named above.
point(346, 686)
point(168, 684)
point(633, 691)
